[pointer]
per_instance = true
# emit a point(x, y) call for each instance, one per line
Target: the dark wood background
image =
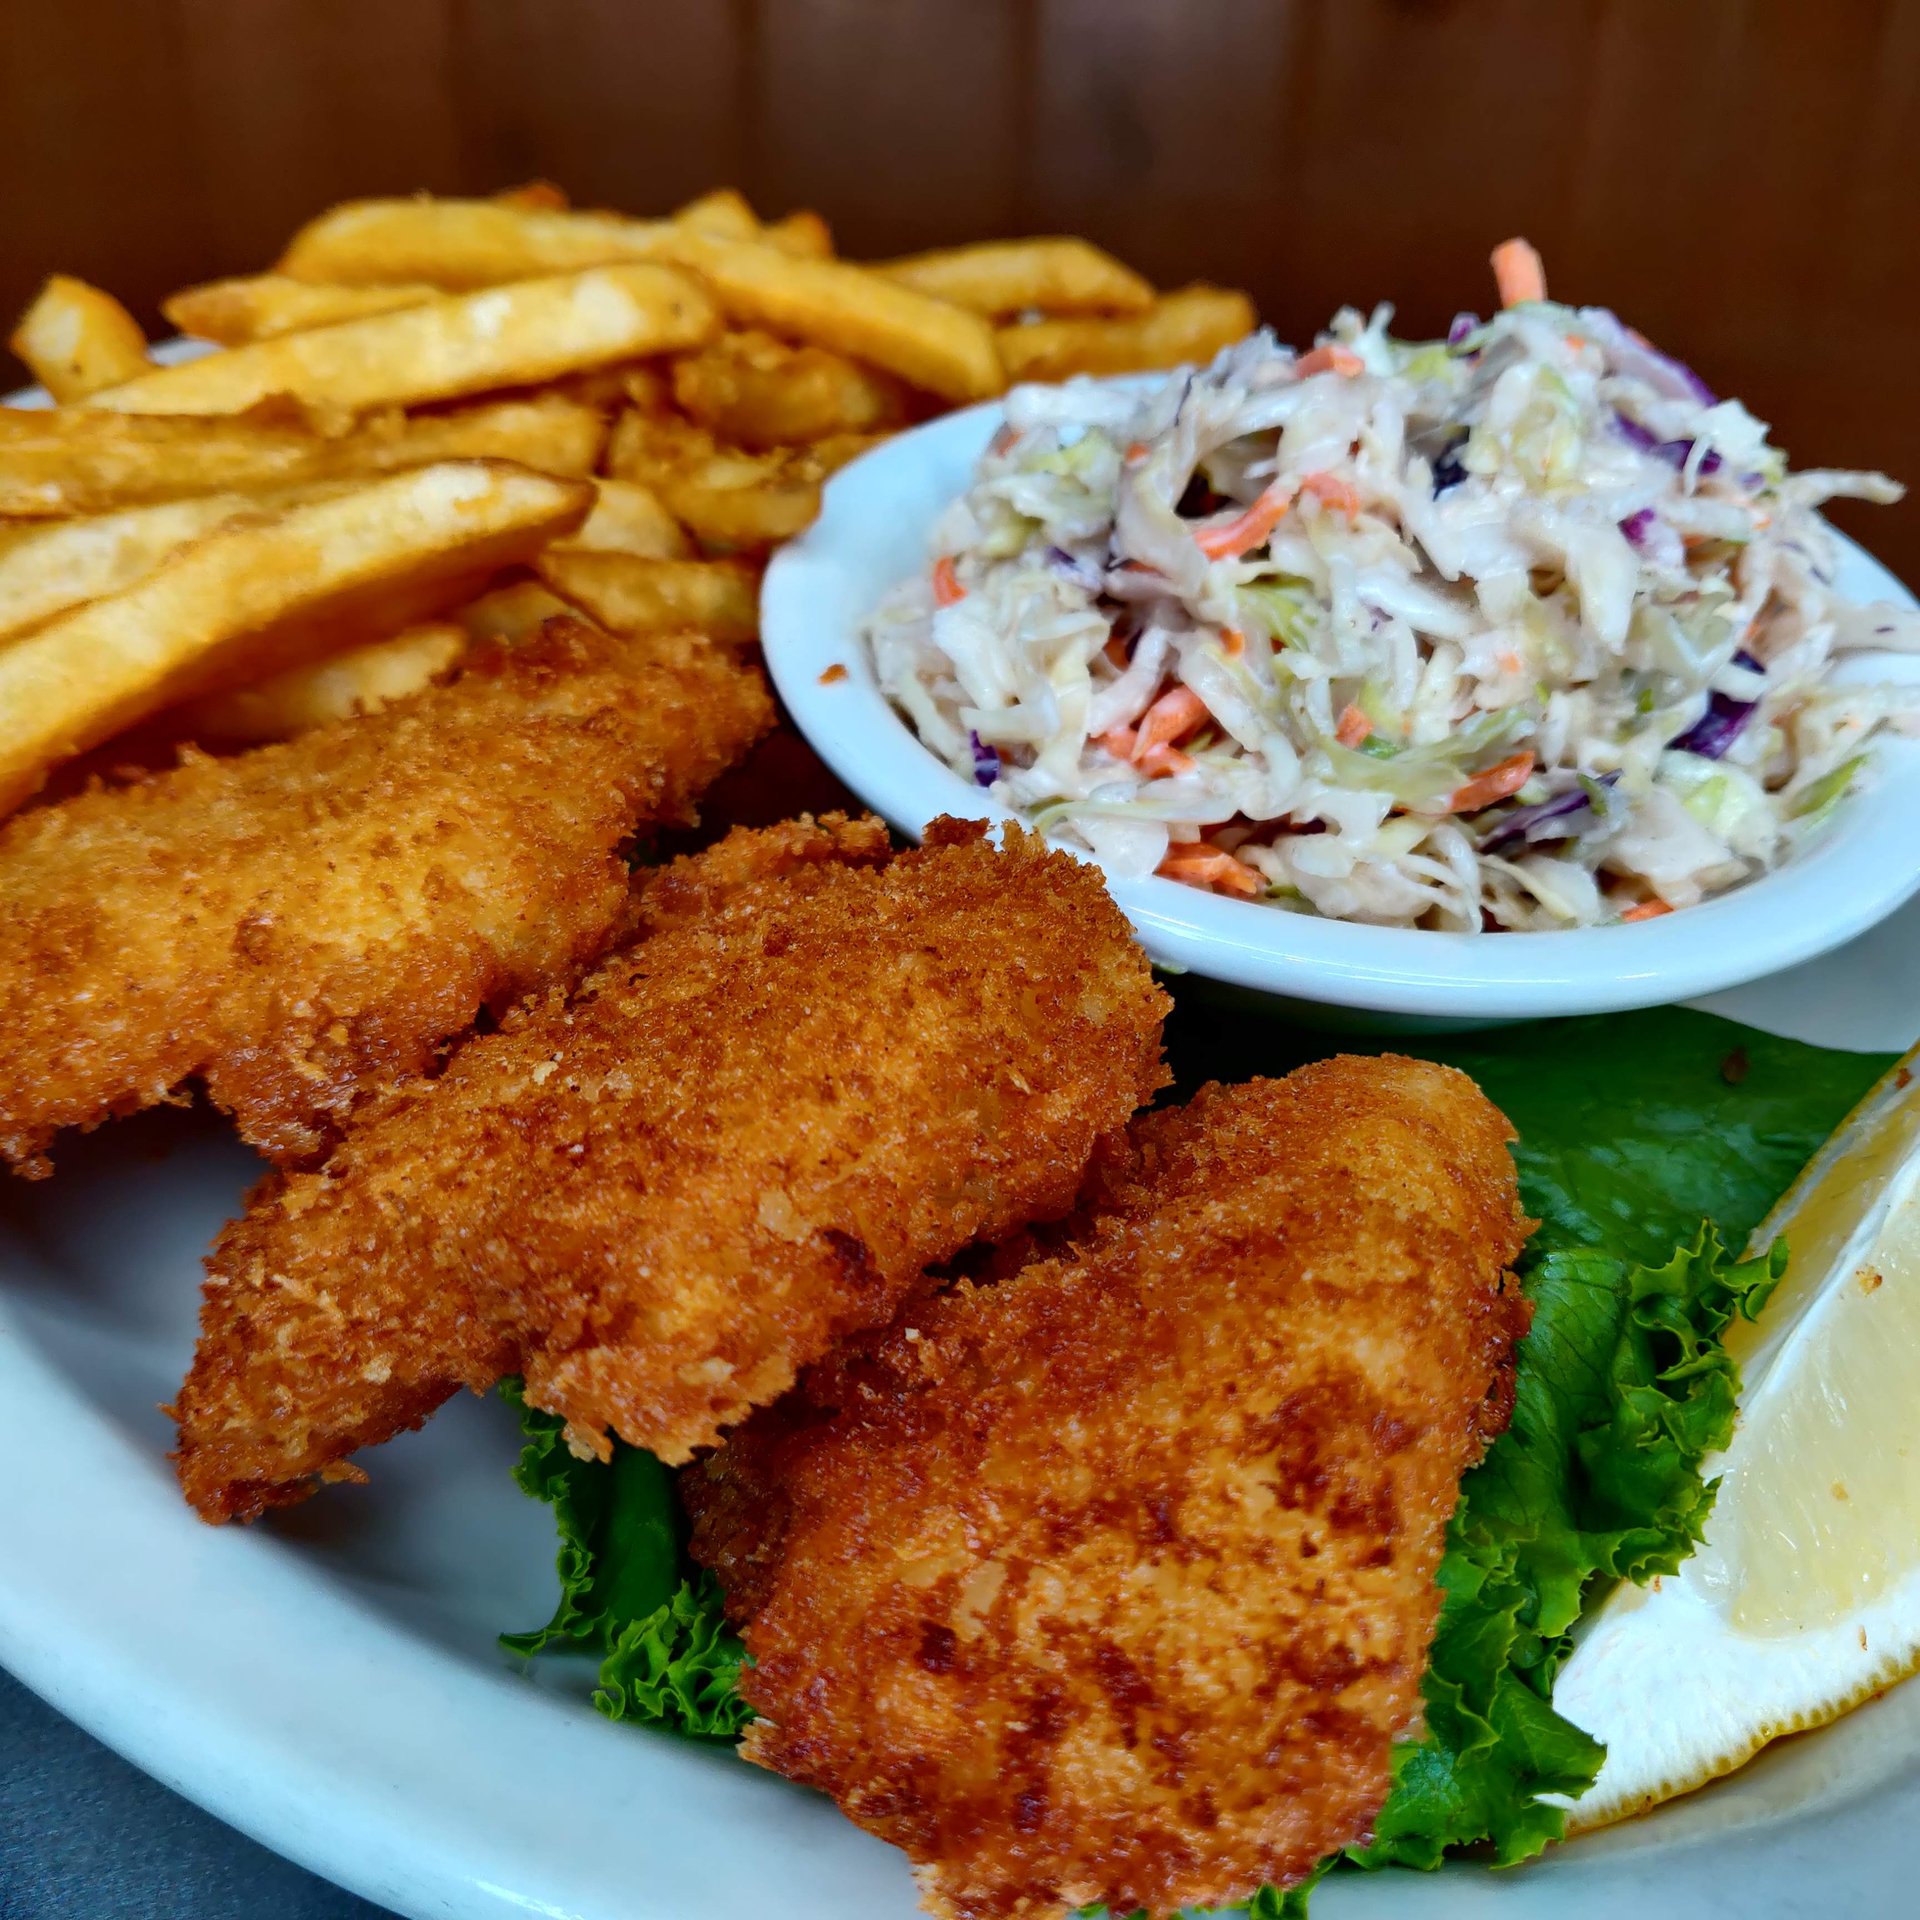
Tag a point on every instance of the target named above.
point(1739, 179)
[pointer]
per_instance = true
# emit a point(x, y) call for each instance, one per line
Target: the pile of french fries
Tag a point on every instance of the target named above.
point(441, 421)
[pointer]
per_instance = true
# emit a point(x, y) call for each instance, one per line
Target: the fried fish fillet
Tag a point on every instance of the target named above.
point(307, 921)
point(744, 1137)
point(1114, 1580)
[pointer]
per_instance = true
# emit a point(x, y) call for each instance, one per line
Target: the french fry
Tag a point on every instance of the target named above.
point(465, 243)
point(360, 680)
point(263, 306)
point(724, 213)
point(79, 461)
point(759, 392)
point(1064, 275)
point(830, 303)
point(65, 563)
point(646, 447)
point(76, 340)
point(803, 232)
point(636, 383)
point(461, 244)
point(540, 196)
point(1190, 325)
point(828, 456)
point(261, 595)
point(729, 499)
point(742, 502)
point(626, 518)
point(719, 598)
point(504, 337)
point(551, 432)
point(510, 612)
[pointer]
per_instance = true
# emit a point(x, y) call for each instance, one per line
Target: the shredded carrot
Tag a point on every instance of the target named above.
point(946, 583)
point(1495, 784)
point(1508, 662)
point(1232, 642)
point(1518, 272)
point(1332, 491)
point(1118, 741)
point(1174, 715)
point(833, 673)
point(1004, 438)
point(1116, 651)
point(1647, 910)
point(1203, 866)
point(1330, 360)
point(1137, 450)
point(1354, 726)
point(1245, 531)
point(1159, 762)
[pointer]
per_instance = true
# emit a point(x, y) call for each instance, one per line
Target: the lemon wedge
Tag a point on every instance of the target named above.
point(1804, 1598)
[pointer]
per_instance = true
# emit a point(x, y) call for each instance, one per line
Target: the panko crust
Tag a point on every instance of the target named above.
point(741, 1139)
point(1114, 1581)
point(300, 925)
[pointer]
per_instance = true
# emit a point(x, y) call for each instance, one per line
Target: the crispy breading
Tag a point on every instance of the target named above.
point(698, 885)
point(1114, 1580)
point(743, 1138)
point(304, 922)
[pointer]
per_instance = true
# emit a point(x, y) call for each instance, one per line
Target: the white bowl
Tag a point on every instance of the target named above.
point(873, 530)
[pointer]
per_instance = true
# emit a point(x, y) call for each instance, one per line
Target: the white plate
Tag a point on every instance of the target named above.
point(329, 1682)
point(873, 531)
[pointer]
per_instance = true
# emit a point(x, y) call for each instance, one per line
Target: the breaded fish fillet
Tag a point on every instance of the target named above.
point(308, 921)
point(742, 1138)
point(1114, 1580)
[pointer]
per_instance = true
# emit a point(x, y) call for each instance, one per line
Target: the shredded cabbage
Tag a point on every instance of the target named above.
point(1410, 601)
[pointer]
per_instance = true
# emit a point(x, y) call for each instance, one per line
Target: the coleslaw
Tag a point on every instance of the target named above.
point(1521, 629)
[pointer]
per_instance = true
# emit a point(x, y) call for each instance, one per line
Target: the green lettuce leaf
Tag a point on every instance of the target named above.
point(678, 1667)
point(668, 1657)
point(619, 1532)
point(1621, 1390)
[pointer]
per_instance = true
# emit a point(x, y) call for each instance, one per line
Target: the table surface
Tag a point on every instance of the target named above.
point(1734, 176)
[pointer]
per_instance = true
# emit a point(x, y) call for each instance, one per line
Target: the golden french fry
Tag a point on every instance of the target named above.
point(360, 680)
point(828, 456)
point(1062, 275)
point(759, 392)
point(929, 343)
point(740, 504)
point(626, 518)
point(60, 564)
point(638, 383)
point(76, 340)
point(551, 432)
point(464, 243)
point(719, 598)
point(647, 446)
point(504, 337)
point(803, 232)
point(729, 499)
point(539, 195)
point(1190, 325)
point(263, 306)
point(510, 612)
point(461, 244)
point(264, 594)
point(724, 213)
point(78, 461)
